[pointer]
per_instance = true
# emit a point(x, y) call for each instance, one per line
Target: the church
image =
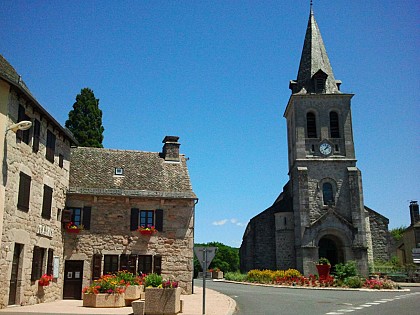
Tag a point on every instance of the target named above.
point(320, 212)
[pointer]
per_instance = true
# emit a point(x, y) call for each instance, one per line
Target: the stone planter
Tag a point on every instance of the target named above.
point(217, 275)
point(132, 293)
point(103, 300)
point(323, 271)
point(162, 301)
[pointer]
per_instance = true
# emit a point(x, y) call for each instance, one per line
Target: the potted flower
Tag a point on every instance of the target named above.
point(107, 291)
point(162, 297)
point(323, 266)
point(216, 273)
point(148, 230)
point(45, 280)
point(72, 228)
point(133, 285)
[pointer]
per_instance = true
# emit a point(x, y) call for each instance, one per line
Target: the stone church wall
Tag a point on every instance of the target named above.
point(258, 250)
point(380, 235)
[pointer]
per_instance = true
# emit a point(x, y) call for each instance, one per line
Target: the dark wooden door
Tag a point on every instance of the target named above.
point(15, 274)
point(73, 276)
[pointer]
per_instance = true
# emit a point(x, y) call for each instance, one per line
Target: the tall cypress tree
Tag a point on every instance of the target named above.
point(85, 120)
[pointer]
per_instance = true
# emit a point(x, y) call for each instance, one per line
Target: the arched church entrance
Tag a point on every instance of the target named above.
point(330, 247)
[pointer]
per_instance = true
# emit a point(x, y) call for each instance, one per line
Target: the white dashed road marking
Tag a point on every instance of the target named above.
point(369, 304)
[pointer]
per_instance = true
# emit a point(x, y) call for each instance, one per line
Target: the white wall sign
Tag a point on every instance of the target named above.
point(44, 230)
point(56, 266)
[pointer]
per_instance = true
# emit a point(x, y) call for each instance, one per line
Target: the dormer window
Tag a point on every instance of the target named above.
point(319, 79)
point(319, 85)
point(119, 171)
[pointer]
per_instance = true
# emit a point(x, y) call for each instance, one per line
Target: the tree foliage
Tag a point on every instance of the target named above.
point(397, 233)
point(226, 258)
point(85, 120)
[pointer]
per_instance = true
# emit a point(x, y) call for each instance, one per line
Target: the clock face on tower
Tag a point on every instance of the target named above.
point(325, 149)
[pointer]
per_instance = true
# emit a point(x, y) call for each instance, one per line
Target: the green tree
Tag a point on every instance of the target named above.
point(85, 120)
point(226, 258)
point(397, 233)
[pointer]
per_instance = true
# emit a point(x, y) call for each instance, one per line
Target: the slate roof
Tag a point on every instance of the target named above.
point(145, 174)
point(314, 58)
point(10, 75)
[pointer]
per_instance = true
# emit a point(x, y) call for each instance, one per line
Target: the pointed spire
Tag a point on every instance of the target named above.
point(315, 74)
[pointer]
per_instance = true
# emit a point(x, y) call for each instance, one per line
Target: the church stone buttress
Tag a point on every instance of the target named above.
point(326, 186)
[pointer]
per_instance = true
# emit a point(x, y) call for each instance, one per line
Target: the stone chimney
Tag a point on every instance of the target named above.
point(170, 150)
point(414, 212)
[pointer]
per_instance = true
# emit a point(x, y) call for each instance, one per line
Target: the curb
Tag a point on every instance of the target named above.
point(317, 288)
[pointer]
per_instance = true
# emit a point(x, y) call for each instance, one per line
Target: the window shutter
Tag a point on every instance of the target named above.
point(50, 263)
point(24, 192)
point(124, 262)
point(159, 220)
point(96, 266)
point(37, 133)
point(47, 201)
point(66, 217)
point(86, 217)
point(157, 266)
point(134, 219)
point(132, 260)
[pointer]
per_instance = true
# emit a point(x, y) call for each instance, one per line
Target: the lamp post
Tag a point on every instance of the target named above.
point(21, 125)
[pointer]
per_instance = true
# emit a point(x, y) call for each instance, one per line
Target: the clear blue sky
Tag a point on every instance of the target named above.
point(216, 73)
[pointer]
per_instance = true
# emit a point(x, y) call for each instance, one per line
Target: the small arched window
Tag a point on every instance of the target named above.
point(327, 194)
point(311, 125)
point(334, 125)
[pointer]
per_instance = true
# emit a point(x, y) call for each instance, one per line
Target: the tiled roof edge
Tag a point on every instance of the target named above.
point(132, 193)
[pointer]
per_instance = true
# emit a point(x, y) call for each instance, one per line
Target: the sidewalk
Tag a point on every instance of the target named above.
point(216, 304)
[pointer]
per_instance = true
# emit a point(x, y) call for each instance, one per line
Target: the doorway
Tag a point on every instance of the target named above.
point(330, 247)
point(73, 278)
point(15, 274)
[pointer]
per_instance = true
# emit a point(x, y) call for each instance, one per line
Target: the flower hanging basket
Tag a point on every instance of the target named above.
point(45, 280)
point(149, 230)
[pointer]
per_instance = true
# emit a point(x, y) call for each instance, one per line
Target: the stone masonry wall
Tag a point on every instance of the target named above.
point(110, 234)
point(28, 228)
point(380, 236)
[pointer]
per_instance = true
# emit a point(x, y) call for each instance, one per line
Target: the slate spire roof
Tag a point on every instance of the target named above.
point(314, 64)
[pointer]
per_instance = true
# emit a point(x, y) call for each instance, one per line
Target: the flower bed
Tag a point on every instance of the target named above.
point(293, 277)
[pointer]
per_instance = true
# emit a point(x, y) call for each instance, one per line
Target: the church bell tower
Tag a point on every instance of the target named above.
point(326, 186)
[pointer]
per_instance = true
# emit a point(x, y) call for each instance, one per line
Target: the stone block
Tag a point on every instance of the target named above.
point(163, 301)
point(103, 300)
point(138, 307)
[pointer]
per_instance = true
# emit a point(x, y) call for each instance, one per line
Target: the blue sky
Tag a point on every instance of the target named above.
point(216, 73)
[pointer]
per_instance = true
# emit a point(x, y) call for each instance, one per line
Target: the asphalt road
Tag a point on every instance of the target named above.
point(257, 300)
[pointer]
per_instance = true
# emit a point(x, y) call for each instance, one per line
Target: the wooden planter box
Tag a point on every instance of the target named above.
point(103, 300)
point(132, 293)
point(162, 301)
point(217, 274)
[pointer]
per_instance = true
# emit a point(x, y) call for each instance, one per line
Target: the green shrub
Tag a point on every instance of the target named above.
point(354, 282)
point(343, 271)
point(235, 276)
point(153, 280)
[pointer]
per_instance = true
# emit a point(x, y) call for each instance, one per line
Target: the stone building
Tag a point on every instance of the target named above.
point(112, 193)
point(408, 249)
point(47, 181)
point(34, 180)
point(320, 212)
